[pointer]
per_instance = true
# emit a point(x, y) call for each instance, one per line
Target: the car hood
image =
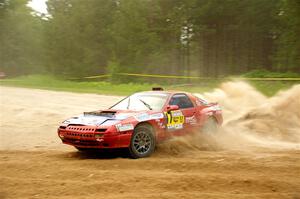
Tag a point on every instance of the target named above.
point(104, 117)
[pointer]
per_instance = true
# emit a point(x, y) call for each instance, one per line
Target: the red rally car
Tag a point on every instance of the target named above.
point(140, 121)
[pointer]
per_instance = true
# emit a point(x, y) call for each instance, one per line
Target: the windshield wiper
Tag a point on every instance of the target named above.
point(147, 105)
point(128, 103)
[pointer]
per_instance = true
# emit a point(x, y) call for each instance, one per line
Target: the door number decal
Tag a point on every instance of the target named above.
point(175, 120)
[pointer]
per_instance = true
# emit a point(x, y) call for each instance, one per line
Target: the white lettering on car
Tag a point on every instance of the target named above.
point(191, 120)
point(156, 116)
point(145, 116)
point(142, 117)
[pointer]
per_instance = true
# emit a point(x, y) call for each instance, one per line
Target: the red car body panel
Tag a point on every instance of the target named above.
point(108, 136)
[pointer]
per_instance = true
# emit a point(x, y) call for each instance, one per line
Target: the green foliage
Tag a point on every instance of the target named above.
point(53, 83)
point(21, 39)
point(113, 69)
point(78, 36)
point(266, 73)
point(287, 56)
point(209, 38)
point(101, 87)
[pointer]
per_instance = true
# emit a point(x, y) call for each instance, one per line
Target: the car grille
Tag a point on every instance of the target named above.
point(81, 128)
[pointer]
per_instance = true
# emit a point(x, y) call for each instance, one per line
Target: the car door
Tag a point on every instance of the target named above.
point(188, 111)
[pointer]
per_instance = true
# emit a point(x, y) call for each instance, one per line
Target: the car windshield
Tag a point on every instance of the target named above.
point(142, 101)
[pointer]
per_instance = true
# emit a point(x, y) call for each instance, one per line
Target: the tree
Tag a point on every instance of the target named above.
point(287, 57)
point(78, 36)
point(177, 37)
point(21, 39)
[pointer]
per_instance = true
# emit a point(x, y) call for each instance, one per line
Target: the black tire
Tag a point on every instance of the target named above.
point(142, 142)
point(210, 126)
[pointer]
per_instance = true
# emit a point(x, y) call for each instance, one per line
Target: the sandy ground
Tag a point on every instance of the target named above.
point(34, 164)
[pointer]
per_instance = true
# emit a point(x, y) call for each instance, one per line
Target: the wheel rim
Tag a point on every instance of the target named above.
point(142, 142)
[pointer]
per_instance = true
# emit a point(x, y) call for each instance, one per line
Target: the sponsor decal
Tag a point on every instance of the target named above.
point(160, 124)
point(175, 126)
point(191, 120)
point(86, 120)
point(176, 113)
point(124, 127)
point(142, 117)
point(145, 116)
point(156, 116)
point(123, 116)
point(175, 120)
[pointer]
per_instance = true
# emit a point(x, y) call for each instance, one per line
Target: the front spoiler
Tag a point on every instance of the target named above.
point(116, 141)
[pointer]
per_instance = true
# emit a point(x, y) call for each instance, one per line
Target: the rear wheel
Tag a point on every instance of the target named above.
point(142, 142)
point(210, 126)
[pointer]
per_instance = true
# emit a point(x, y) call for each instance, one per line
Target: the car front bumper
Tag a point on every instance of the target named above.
point(88, 140)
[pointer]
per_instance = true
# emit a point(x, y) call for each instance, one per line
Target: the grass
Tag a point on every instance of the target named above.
point(56, 84)
point(47, 82)
point(270, 88)
point(270, 74)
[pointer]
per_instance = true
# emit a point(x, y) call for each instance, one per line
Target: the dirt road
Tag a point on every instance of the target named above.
point(34, 164)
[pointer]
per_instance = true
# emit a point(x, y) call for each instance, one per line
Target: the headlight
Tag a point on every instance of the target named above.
point(124, 127)
point(62, 127)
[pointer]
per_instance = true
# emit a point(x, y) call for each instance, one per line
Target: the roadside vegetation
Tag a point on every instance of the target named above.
point(99, 87)
point(49, 82)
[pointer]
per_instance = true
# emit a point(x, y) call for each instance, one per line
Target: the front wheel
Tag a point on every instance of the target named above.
point(142, 142)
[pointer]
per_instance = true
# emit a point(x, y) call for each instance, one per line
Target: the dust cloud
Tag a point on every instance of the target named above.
point(251, 120)
point(29, 119)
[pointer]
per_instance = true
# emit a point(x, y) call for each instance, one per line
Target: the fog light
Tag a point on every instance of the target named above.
point(61, 136)
point(98, 135)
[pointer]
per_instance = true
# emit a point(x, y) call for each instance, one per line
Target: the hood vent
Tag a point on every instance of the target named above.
point(101, 130)
point(101, 113)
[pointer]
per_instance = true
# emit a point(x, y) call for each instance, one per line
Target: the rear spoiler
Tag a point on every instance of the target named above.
point(157, 89)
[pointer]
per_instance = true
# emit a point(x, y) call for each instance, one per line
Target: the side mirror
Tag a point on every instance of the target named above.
point(172, 108)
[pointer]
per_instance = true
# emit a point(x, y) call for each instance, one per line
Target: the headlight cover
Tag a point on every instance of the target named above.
point(124, 127)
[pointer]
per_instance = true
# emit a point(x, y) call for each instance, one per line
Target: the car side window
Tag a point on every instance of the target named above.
point(181, 100)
